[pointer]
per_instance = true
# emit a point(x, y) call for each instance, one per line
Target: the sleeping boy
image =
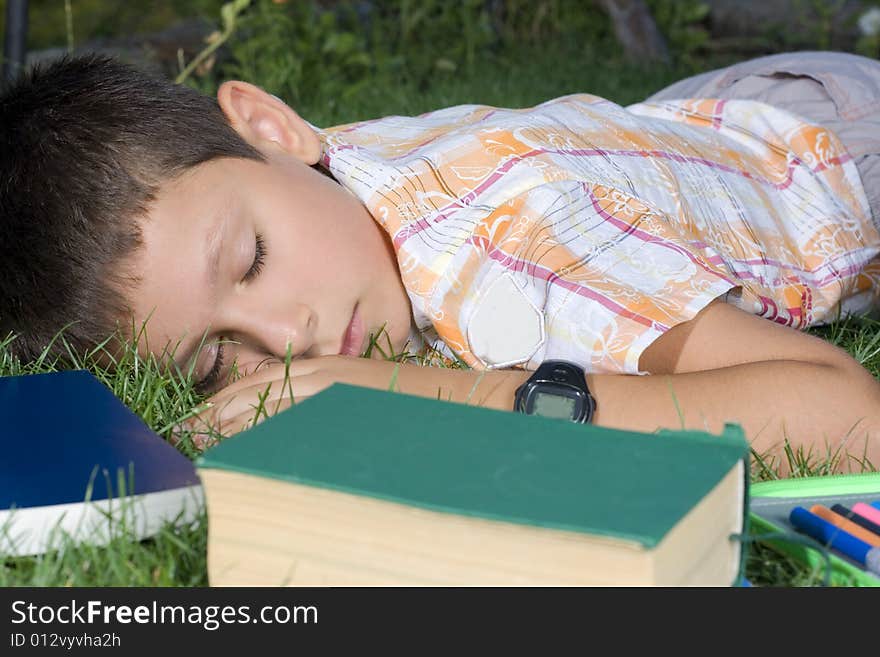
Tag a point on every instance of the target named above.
point(666, 256)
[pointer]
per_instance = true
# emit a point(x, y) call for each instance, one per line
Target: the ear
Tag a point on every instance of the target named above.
point(266, 122)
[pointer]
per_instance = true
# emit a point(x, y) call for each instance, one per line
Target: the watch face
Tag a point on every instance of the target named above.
point(553, 405)
point(558, 390)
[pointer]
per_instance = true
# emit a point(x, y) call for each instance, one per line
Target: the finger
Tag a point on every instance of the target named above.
point(246, 420)
point(189, 424)
point(202, 441)
point(253, 397)
point(253, 388)
point(197, 437)
point(265, 400)
point(276, 372)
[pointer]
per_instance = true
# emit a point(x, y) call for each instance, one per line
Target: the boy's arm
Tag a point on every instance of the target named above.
point(724, 365)
point(722, 335)
point(728, 365)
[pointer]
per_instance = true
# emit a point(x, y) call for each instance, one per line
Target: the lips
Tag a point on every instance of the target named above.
point(354, 335)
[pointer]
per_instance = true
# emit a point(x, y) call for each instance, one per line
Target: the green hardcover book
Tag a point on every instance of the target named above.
point(356, 486)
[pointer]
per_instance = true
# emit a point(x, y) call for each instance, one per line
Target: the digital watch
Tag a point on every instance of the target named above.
point(557, 389)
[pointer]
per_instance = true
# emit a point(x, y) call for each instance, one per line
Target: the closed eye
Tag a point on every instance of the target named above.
point(206, 385)
point(259, 259)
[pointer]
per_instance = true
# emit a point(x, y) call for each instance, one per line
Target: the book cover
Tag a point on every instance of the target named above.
point(491, 465)
point(75, 458)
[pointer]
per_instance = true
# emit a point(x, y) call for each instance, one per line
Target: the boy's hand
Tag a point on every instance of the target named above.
point(267, 391)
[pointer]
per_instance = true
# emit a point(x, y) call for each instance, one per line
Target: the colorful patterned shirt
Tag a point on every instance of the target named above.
point(583, 230)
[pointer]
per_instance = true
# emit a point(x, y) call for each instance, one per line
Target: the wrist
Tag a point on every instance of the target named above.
point(493, 388)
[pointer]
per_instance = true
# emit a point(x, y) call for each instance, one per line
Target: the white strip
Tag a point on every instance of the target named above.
point(35, 530)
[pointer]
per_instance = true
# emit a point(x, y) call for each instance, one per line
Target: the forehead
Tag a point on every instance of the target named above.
point(181, 227)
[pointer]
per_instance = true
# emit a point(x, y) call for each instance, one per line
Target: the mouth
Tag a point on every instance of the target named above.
point(353, 338)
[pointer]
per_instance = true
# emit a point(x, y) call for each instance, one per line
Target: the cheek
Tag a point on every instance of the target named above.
point(333, 252)
point(327, 236)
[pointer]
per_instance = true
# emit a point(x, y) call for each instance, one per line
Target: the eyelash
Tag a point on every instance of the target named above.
point(210, 379)
point(259, 258)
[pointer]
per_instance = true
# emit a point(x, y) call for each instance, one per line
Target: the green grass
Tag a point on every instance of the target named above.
point(521, 78)
point(507, 77)
point(176, 556)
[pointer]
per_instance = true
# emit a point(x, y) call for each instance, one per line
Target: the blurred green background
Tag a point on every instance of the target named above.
point(345, 60)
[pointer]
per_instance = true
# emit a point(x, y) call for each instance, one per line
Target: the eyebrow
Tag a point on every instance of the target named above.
point(213, 248)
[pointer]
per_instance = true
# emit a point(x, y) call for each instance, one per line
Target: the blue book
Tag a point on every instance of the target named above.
point(78, 462)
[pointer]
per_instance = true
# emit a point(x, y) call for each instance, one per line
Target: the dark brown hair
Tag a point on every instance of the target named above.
point(85, 143)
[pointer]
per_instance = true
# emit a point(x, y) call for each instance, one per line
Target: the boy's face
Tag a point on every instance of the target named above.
point(264, 255)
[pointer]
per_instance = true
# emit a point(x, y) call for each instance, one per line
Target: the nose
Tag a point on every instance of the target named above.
point(266, 329)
